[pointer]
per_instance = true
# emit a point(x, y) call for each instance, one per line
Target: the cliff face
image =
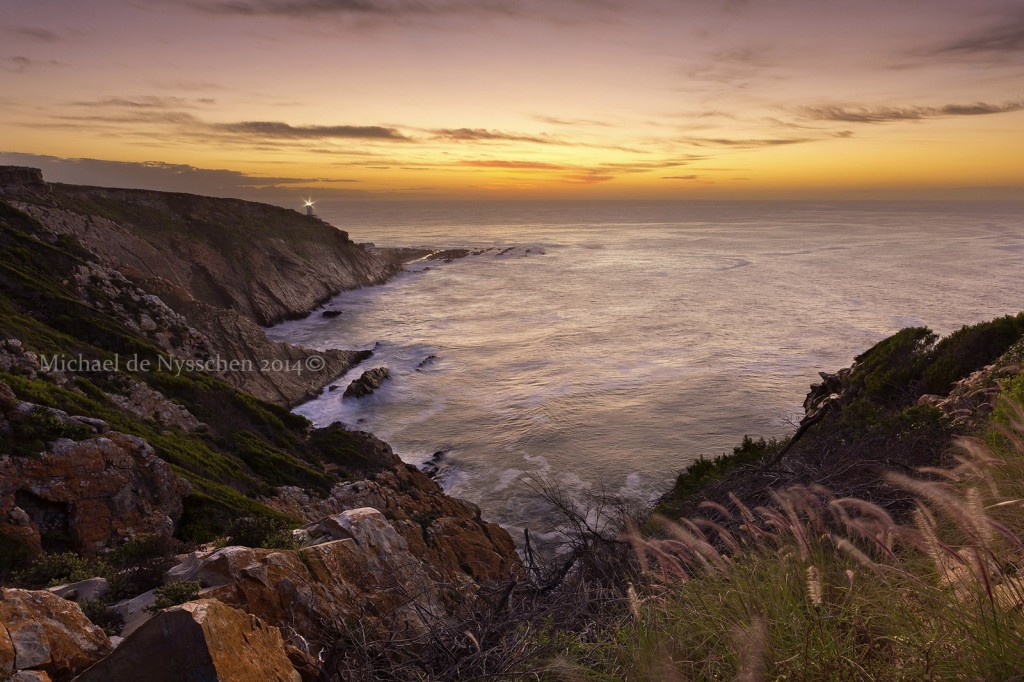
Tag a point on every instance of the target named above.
point(199, 275)
point(265, 262)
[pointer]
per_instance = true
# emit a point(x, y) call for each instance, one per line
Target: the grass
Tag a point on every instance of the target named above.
point(815, 586)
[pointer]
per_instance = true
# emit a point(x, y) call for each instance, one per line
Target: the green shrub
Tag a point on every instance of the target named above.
point(141, 549)
point(703, 471)
point(261, 531)
point(173, 594)
point(99, 613)
point(48, 570)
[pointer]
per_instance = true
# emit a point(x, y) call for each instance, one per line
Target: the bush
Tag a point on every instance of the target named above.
point(56, 569)
point(703, 471)
point(261, 531)
point(97, 611)
point(173, 594)
point(143, 549)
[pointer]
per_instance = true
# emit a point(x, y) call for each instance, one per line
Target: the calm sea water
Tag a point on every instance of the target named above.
point(606, 345)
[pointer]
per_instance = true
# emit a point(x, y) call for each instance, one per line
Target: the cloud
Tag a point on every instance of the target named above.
point(20, 64)
point(748, 143)
point(552, 120)
point(39, 34)
point(315, 8)
point(912, 113)
point(1006, 36)
point(484, 135)
point(277, 129)
point(680, 177)
point(521, 165)
point(171, 115)
point(169, 177)
point(146, 102)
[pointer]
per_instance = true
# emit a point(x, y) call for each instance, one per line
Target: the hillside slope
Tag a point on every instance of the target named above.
point(226, 266)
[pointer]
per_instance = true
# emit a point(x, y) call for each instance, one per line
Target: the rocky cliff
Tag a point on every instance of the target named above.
point(212, 270)
point(186, 516)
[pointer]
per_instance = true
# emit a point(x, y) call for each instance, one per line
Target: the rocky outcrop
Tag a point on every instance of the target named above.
point(199, 275)
point(974, 397)
point(43, 633)
point(369, 580)
point(265, 262)
point(142, 401)
point(200, 640)
point(367, 383)
point(278, 372)
point(92, 492)
point(442, 531)
point(15, 180)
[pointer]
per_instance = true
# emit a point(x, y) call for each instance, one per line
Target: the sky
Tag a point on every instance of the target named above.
point(549, 99)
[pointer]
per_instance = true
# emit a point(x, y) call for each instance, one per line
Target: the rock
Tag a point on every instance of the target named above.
point(432, 467)
point(444, 532)
point(83, 590)
point(369, 382)
point(7, 398)
point(48, 634)
point(372, 577)
point(142, 401)
point(13, 178)
point(200, 640)
point(97, 425)
point(98, 492)
point(331, 313)
point(134, 612)
point(30, 676)
point(429, 360)
point(184, 571)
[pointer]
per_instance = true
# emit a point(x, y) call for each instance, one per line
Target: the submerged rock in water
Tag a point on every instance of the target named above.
point(429, 360)
point(331, 313)
point(432, 467)
point(370, 381)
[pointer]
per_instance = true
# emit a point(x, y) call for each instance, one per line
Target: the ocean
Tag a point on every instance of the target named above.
point(603, 346)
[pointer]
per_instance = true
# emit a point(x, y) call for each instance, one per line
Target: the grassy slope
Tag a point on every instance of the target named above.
point(251, 445)
point(822, 586)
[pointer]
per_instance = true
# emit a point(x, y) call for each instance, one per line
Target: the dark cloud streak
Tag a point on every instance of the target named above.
point(277, 129)
point(913, 113)
point(1007, 36)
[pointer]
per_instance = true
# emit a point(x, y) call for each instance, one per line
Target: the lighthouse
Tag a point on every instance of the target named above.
point(309, 207)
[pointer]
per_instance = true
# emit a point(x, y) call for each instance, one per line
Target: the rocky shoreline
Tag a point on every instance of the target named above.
point(153, 510)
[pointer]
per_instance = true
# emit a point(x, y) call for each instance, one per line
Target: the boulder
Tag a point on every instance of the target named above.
point(372, 578)
point(370, 381)
point(83, 590)
point(200, 640)
point(97, 492)
point(41, 632)
point(134, 612)
point(445, 533)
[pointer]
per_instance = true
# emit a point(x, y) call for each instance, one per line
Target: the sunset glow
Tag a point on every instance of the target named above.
point(559, 99)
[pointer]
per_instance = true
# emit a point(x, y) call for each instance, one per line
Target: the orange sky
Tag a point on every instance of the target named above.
point(491, 98)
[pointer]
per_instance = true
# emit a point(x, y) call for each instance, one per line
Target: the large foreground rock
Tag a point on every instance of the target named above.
point(197, 642)
point(39, 631)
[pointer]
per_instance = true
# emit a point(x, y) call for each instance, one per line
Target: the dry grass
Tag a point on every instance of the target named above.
point(813, 586)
